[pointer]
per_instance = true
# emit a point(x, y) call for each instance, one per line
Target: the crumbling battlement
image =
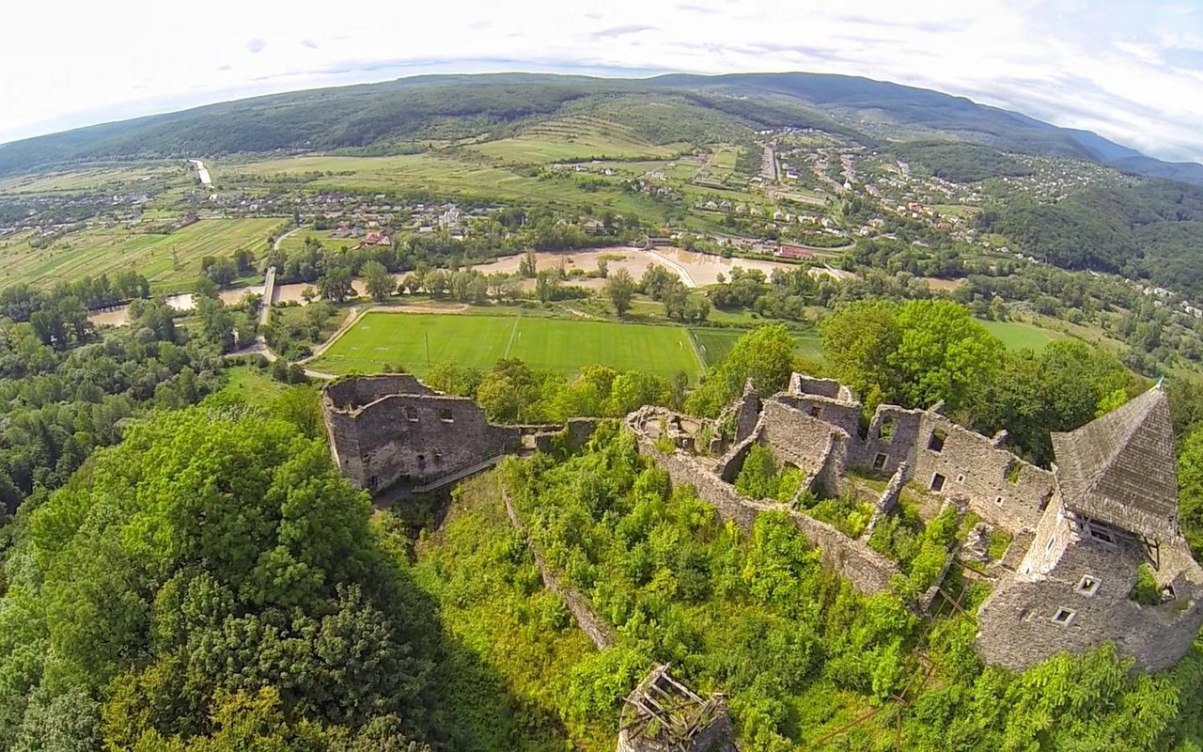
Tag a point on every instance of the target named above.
point(357, 392)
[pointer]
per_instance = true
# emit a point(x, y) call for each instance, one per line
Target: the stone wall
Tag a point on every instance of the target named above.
point(390, 429)
point(893, 434)
point(888, 501)
point(867, 570)
point(595, 629)
point(999, 487)
point(797, 438)
point(845, 416)
point(358, 391)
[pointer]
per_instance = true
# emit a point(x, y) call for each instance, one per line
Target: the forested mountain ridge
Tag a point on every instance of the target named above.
point(459, 106)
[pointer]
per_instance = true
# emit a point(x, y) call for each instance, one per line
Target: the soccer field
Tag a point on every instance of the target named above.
point(419, 341)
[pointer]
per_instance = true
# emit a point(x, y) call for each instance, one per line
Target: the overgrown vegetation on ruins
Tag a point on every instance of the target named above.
point(800, 653)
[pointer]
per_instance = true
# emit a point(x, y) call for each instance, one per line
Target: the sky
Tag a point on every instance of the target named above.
point(1130, 71)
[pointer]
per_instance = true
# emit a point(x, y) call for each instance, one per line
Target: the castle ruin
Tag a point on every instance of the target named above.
point(1079, 534)
point(1075, 539)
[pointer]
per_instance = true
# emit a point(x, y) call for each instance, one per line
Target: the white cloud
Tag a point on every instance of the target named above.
point(1133, 72)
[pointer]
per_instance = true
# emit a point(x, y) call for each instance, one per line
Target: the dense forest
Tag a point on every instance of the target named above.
point(1143, 230)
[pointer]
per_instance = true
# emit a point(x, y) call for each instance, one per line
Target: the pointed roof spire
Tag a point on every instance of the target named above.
point(1120, 468)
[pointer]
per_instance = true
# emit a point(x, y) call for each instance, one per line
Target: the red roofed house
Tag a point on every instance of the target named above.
point(791, 251)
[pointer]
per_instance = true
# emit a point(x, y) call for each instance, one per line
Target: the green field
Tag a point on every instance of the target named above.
point(94, 252)
point(714, 344)
point(1017, 335)
point(115, 177)
point(479, 341)
point(470, 178)
point(574, 138)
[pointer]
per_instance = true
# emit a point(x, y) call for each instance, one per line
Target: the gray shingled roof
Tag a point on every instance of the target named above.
point(1120, 468)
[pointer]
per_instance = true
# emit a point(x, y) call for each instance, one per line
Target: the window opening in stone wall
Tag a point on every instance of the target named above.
point(411, 413)
point(421, 461)
point(937, 482)
point(885, 429)
point(438, 457)
point(446, 416)
point(1098, 534)
point(1088, 585)
point(936, 442)
point(961, 478)
point(879, 461)
point(1064, 617)
point(372, 482)
point(998, 500)
point(1051, 542)
point(815, 411)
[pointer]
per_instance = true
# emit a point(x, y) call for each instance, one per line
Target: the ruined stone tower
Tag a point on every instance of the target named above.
point(1115, 512)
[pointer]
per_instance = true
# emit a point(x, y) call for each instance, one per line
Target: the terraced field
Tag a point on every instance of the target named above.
point(100, 251)
point(463, 178)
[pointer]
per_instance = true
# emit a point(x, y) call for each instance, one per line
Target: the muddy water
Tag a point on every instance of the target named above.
point(119, 316)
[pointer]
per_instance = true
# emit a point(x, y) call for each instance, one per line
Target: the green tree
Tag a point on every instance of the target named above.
point(1190, 486)
point(207, 553)
point(620, 288)
point(765, 355)
point(943, 354)
point(858, 342)
point(377, 281)
point(335, 284)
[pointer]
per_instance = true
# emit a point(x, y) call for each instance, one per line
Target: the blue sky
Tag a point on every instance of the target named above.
point(1131, 71)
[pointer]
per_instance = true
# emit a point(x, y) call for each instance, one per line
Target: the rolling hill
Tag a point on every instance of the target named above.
point(381, 118)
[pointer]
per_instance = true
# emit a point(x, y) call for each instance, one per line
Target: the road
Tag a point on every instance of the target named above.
point(201, 171)
point(276, 245)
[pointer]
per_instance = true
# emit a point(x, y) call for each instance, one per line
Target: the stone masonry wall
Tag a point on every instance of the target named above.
point(796, 437)
point(841, 414)
point(893, 433)
point(358, 391)
point(415, 439)
point(999, 487)
point(594, 628)
point(867, 570)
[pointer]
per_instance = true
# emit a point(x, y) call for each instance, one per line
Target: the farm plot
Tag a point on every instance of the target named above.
point(170, 262)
